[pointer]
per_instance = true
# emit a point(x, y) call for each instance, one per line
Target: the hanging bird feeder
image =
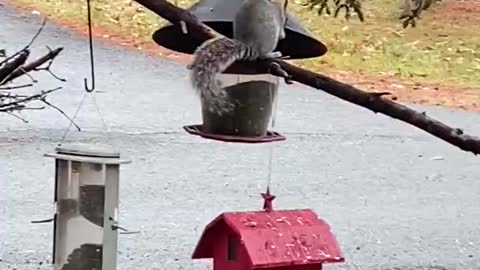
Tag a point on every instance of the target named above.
point(269, 239)
point(86, 199)
point(254, 94)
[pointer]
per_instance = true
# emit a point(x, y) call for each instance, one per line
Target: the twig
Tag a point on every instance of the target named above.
point(38, 33)
point(36, 65)
point(11, 107)
point(62, 112)
point(16, 87)
point(13, 67)
point(29, 44)
point(23, 72)
point(5, 107)
point(33, 108)
point(7, 70)
point(343, 91)
point(17, 116)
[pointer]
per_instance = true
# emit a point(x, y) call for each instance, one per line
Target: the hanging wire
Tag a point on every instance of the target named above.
point(104, 123)
point(65, 133)
point(87, 89)
point(273, 101)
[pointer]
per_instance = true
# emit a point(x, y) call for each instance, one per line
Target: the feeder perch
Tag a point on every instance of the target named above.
point(86, 199)
point(252, 93)
point(269, 239)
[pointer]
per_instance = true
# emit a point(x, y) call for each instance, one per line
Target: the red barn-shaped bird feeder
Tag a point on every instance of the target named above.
point(275, 240)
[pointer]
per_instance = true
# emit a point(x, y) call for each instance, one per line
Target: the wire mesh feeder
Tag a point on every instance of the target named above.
point(86, 196)
point(92, 198)
point(87, 257)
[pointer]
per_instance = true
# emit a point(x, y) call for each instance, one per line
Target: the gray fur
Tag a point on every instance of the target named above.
point(258, 26)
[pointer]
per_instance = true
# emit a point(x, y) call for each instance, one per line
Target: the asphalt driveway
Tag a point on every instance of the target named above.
point(396, 197)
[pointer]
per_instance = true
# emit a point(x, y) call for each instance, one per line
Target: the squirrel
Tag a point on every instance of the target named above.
point(257, 28)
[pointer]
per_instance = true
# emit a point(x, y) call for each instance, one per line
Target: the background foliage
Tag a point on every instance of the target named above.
point(443, 47)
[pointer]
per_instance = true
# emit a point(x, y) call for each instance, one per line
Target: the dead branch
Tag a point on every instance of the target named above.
point(36, 65)
point(22, 102)
point(16, 87)
point(26, 47)
point(371, 101)
point(13, 67)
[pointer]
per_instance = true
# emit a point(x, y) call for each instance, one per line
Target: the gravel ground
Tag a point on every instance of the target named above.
point(392, 201)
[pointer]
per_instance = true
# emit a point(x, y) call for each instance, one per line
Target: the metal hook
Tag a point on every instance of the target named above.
point(92, 65)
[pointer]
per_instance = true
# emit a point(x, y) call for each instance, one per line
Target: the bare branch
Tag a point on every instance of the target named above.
point(13, 67)
point(36, 65)
point(38, 33)
point(16, 87)
point(18, 117)
point(10, 67)
point(62, 112)
point(28, 45)
point(20, 103)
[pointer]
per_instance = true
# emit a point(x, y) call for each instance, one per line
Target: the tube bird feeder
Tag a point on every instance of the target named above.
point(254, 94)
point(86, 199)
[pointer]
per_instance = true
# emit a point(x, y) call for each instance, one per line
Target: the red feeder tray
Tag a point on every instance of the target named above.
point(271, 136)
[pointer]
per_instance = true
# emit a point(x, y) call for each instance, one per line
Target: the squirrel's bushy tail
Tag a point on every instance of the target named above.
point(213, 57)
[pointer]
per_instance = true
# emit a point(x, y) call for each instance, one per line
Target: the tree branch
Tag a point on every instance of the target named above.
point(377, 104)
point(28, 45)
point(35, 65)
point(371, 101)
point(13, 67)
point(10, 67)
point(21, 102)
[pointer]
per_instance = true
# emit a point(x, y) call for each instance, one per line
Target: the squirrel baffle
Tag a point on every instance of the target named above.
point(219, 15)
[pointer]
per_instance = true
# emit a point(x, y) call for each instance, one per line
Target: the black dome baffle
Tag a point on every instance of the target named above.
point(219, 15)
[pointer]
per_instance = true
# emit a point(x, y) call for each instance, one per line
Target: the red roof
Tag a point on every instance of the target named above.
point(276, 238)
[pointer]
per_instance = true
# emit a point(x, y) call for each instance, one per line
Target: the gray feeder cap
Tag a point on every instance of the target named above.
point(88, 150)
point(219, 15)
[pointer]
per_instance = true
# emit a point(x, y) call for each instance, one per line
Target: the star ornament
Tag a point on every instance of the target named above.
point(268, 198)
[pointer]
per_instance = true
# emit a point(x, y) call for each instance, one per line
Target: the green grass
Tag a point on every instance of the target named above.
point(443, 51)
point(434, 50)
